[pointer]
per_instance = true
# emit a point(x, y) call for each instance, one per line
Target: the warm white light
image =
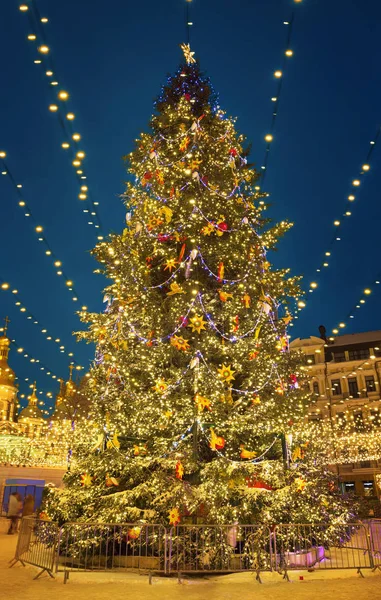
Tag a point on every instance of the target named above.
point(278, 74)
point(269, 137)
point(367, 291)
point(53, 107)
point(351, 198)
point(365, 167)
point(289, 52)
point(70, 116)
point(31, 36)
point(356, 182)
point(5, 286)
point(49, 73)
point(76, 137)
point(65, 145)
point(23, 7)
point(43, 49)
point(341, 325)
point(313, 285)
point(337, 223)
point(3, 154)
point(81, 154)
point(39, 228)
point(301, 304)
point(62, 95)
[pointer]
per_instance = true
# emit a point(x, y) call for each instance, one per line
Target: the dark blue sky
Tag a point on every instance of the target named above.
point(112, 58)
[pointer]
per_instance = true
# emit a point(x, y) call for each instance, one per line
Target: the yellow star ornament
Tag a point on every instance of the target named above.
point(226, 373)
point(174, 516)
point(160, 386)
point(197, 323)
point(170, 264)
point(202, 403)
point(179, 343)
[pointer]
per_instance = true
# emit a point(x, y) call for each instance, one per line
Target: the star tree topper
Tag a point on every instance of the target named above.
point(188, 55)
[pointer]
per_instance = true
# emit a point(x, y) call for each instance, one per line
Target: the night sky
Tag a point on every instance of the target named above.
point(112, 57)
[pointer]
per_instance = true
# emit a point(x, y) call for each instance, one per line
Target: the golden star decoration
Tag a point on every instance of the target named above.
point(170, 264)
point(208, 229)
point(226, 373)
point(175, 288)
point(197, 323)
point(202, 403)
point(86, 480)
point(179, 343)
point(300, 483)
point(160, 386)
point(174, 516)
point(179, 470)
point(188, 54)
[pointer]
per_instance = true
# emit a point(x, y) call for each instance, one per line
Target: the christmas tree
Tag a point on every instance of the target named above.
point(197, 403)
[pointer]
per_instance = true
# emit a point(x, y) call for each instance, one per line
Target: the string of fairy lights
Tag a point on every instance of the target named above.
point(360, 303)
point(338, 225)
point(38, 228)
point(5, 286)
point(71, 143)
point(275, 99)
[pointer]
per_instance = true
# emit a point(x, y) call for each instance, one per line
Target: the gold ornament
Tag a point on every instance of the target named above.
point(224, 295)
point(179, 343)
point(175, 288)
point(226, 373)
point(174, 516)
point(188, 54)
point(247, 453)
point(202, 403)
point(170, 264)
point(114, 442)
point(160, 386)
point(197, 324)
point(86, 480)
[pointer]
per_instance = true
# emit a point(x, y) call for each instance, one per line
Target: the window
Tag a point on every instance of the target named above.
point(339, 356)
point(310, 359)
point(368, 488)
point(370, 383)
point(315, 388)
point(353, 387)
point(359, 354)
point(358, 420)
point(375, 418)
point(336, 387)
point(349, 487)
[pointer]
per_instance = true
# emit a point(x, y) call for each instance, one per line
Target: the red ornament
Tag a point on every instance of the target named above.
point(290, 422)
point(252, 482)
point(220, 271)
point(184, 321)
point(233, 152)
point(147, 175)
point(204, 180)
point(163, 237)
point(187, 97)
point(222, 225)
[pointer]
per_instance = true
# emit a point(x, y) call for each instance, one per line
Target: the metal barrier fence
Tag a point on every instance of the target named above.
point(219, 548)
point(37, 544)
point(183, 549)
point(105, 547)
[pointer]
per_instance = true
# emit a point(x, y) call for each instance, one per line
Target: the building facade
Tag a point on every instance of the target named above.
point(344, 378)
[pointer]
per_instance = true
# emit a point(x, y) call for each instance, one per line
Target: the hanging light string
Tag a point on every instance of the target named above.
point(38, 229)
point(275, 100)
point(338, 224)
point(362, 300)
point(30, 316)
point(61, 99)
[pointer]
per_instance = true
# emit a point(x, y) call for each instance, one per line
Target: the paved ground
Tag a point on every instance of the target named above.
point(17, 584)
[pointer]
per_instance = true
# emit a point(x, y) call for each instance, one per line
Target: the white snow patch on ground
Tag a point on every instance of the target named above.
point(17, 584)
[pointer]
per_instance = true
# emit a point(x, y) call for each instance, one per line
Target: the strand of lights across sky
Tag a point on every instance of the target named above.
point(275, 100)
point(38, 228)
point(61, 100)
point(30, 316)
point(338, 224)
point(351, 314)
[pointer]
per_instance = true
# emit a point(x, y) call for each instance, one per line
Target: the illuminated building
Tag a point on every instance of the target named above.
point(344, 378)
